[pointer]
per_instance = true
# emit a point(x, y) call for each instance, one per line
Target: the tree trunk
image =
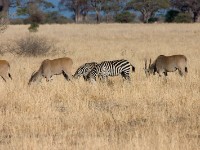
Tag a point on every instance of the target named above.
point(107, 20)
point(146, 16)
point(84, 17)
point(76, 16)
point(4, 7)
point(195, 16)
point(97, 17)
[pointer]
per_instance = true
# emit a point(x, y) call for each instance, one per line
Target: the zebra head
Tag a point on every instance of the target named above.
point(79, 72)
point(91, 76)
point(84, 70)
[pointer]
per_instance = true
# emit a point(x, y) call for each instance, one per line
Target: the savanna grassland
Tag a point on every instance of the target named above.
point(146, 114)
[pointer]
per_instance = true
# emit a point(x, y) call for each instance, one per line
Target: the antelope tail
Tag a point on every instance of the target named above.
point(186, 70)
point(133, 68)
point(10, 76)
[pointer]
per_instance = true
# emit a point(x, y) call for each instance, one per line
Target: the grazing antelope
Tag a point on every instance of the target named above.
point(164, 64)
point(4, 70)
point(84, 70)
point(49, 68)
point(111, 68)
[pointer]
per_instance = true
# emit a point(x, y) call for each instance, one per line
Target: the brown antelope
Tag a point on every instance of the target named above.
point(164, 64)
point(48, 68)
point(4, 70)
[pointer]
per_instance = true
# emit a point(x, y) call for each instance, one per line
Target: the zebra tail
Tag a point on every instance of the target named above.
point(133, 68)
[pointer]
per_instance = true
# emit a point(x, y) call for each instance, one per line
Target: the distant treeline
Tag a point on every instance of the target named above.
point(96, 11)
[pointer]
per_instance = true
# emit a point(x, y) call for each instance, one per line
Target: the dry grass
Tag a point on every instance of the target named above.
point(145, 114)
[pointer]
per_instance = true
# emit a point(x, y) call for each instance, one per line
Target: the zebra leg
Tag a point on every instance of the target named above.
point(103, 78)
point(85, 77)
point(125, 76)
point(128, 78)
point(106, 78)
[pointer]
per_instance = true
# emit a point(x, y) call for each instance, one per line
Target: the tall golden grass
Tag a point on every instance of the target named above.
point(146, 114)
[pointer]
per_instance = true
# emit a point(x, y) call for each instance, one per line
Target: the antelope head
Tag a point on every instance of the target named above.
point(34, 77)
point(150, 69)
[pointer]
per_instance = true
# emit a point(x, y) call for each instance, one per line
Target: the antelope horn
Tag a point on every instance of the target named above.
point(145, 66)
point(150, 62)
point(30, 80)
point(33, 73)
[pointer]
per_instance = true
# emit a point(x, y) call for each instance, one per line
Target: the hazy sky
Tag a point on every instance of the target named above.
point(55, 2)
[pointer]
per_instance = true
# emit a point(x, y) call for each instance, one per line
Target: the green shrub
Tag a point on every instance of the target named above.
point(55, 17)
point(152, 20)
point(124, 17)
point(33, 27)
point(170, 16)
point(16, 21)
point(3, 23)
point(183, 18)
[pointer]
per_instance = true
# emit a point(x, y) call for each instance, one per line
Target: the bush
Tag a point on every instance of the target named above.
point(152, 20)
point(124, 17)
point(38, 17)
point(33, 45)
point(170, 16)
point(55, 17)
point(1, 50)
point(33, 27)
point(3, 23)
point(183, 18)
point(16, 21)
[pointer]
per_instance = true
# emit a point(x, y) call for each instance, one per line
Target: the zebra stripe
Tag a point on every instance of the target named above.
point(111, 68)
point(84, 70)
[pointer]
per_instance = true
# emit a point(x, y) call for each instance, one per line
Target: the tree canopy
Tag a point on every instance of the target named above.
point(147, 7)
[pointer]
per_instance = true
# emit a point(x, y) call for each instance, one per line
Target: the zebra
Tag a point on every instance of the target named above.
point(111, 68)
point(84, 70)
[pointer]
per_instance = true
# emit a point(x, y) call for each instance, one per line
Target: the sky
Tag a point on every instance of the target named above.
point(66, 13)
point(55, 2)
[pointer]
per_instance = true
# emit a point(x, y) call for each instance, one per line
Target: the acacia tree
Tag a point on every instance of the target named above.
point(192, 6)
point(112, 7)
point(147, 7)
point(78, 7)
point(34, 11)
point(96, 5)
point(4, 7)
